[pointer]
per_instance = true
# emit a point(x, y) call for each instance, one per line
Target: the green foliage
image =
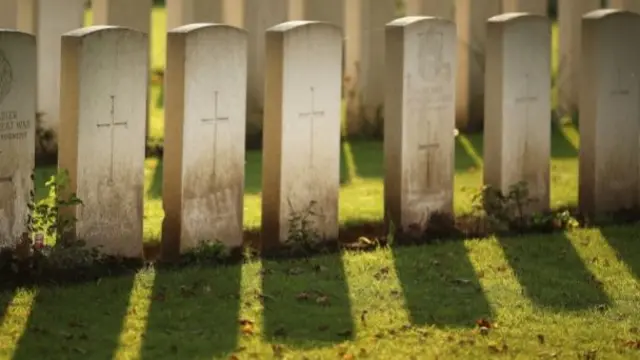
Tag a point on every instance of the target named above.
point(44, 248)
point(207, 253)
point(302, 236)
point(511, 212)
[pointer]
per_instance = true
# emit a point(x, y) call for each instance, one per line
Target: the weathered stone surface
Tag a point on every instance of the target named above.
point(17, 131)
point(445, 9)
point(184, 12)
point(517, 145)
point(537, 7)
point(471, 21)
point(103, 110)
point(301, 158)
point(364, 62)
point(203, 179)
point(569, 39)
point(419, 128)
point(609, 112)
point(132, 14)
point(56, 17)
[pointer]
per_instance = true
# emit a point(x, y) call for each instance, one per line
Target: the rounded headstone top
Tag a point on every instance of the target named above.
point(512, 16)
point(189, 28)
point(411, 20)
point(301, 24)
point(97, 29)
point(605, 13)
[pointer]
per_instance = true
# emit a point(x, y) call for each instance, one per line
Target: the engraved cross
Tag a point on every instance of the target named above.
point(526, 99)
point(112, 125)
point(215, 121)
point(430, 150)
point(311, 114)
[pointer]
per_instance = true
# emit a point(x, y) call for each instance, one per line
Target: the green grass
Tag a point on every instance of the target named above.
point(578, 291)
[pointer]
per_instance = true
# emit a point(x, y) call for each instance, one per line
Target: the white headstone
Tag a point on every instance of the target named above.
point(56, 17)
point(103, 106)
point(609, 112)
point(183, 12)
point(17, 131)
point(419, 119)
point(203, 180)
point(569, 39)
point(517, 129)
point(437, 8)
point(18, 14)
point(302, 128)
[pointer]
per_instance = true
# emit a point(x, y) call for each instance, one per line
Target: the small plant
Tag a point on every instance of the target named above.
point(505, 211)
point(208, 252)
point(302, 235)
point(49, 218)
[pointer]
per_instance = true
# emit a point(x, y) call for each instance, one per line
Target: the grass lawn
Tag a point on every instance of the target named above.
point(573, 295)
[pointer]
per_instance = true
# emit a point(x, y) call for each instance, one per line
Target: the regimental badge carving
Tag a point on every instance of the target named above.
point(6, 77)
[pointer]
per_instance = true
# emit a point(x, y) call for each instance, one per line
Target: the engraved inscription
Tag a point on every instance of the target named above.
point(215, 121)
point(112, 125)
point(431, 67)
point(312, 115)
point(6, 77)
point(11, 128)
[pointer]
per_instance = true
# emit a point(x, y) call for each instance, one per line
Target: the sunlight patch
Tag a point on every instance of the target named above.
point(470, 149)
point(14, 323)
point(134, 323)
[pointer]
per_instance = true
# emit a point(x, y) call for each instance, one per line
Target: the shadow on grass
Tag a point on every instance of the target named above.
point(306, 311)
point(468, 152)
point(76, 321)
point(42, 175)
point(368, 158)
point(561, 146)
point(552, 273)
point(440, 286)
point(5, 300)
point(155, 188)
point(624, 242)
point(193, 314)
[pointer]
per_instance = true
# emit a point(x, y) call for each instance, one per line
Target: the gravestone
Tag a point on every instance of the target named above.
point(630, 5)
point(537, 7)
point(203, 179)
point(517, 126)
point(18, 14)
point(445, 9)
point(17, 131)
point(183, 12)
point(256, 16)
point(609, 112)
point(569, 39)
point(132, 14)
point(103, 101)
point(302, 129)
point(331, 11)
point(471, 22)
point(56, 17)
point(419, 124)
point(364, 62)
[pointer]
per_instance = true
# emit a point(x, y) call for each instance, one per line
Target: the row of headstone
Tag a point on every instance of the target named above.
point(104, 97)
point(363, 26)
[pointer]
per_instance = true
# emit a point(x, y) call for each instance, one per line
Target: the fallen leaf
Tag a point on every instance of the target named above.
point(277, 349)
point(247, 329)
point(303, 296)
point(345, 333)
point(320, 268)
point(541, 338)
point(363, 318)
point(483, 323)
point(632, 344)
point(280, 332)
point(348, 357)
